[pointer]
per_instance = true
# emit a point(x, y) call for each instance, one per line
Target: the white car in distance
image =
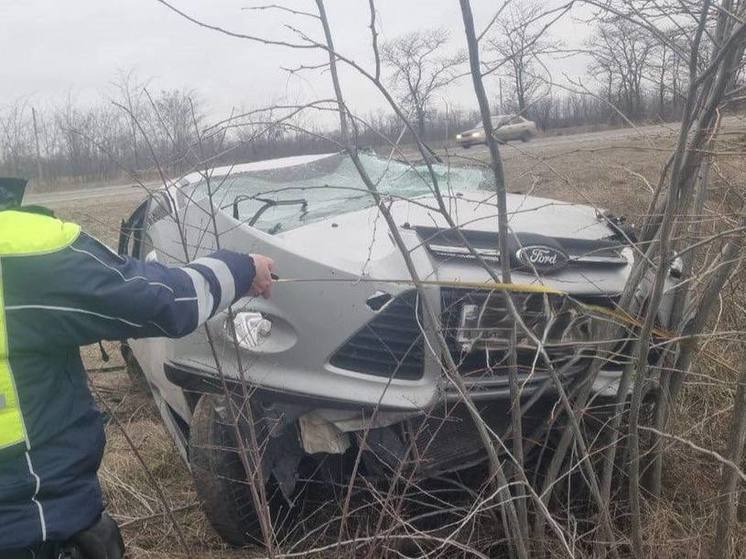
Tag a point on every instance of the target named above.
point(506, 128)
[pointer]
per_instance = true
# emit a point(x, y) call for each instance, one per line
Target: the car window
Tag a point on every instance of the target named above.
point(498, 120)
point(281, 199)
point(132, 230)
point(134, 239)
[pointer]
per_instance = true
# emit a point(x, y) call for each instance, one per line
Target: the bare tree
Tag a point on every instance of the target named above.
point(130, 91)
point(665, 72)
point(518, 42)
point(621, 53)
point(15, 137)
point(420, 69)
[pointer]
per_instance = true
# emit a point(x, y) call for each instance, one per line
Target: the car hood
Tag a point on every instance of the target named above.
point(322, 211)
point(360, 243)
point(471, 212)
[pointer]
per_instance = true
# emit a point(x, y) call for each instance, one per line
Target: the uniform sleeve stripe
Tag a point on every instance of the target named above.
point(225, 279)
point(241, 267)
point(213, 284)
point(37, 482)
point(120, 274)
point(70, 309)
point(205, 302)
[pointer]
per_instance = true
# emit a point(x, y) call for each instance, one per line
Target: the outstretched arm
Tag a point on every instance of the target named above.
point(85, 293)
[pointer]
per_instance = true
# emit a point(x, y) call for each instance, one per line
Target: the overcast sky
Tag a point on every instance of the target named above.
point(52, 48)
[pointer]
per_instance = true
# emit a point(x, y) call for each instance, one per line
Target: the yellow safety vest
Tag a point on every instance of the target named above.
point(22, 234)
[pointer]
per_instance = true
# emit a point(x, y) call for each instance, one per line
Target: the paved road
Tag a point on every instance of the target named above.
point(641, 134)
point(64, 196)
point(644, 135)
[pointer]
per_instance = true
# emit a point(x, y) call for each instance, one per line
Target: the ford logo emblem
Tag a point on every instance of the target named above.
point(542, 258)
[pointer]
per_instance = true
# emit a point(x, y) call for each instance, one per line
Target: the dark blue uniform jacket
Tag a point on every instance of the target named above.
point(51, 303)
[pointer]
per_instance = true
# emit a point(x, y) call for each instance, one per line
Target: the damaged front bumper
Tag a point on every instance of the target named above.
point(427, 442)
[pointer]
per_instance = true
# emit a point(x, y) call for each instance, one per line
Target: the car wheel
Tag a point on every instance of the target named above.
point(466, 146)
point(525, 138)
point(220, 478)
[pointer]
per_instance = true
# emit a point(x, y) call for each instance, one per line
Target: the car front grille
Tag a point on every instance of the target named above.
point(564, 324)
point(390, 345)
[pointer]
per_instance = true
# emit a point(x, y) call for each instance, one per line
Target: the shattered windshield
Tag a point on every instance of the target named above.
point(286, 197)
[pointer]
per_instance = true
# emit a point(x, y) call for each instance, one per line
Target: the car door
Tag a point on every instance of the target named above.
point(514, 128)
point(138, 240)
point(501, 126)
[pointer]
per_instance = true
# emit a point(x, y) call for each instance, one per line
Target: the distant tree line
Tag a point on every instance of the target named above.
point(97, 142)
point(634, 75)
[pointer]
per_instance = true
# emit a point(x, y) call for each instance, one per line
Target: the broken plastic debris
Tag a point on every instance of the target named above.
point(320, 435)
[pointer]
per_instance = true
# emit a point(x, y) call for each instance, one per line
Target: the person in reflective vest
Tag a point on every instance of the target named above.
point(60, 289)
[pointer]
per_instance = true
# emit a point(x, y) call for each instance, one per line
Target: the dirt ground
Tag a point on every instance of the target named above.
point(617, 174)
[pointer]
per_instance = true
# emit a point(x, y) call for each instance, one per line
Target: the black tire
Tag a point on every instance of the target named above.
point(525, 138)
point(219, 479)
point(466, 146)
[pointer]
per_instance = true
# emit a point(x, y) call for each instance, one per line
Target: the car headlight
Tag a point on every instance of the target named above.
point(458, 136)
point(250, 329)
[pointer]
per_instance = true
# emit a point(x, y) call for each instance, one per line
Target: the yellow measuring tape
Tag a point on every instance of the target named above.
point(513, 288)
point(497, 286)
point(487, 285)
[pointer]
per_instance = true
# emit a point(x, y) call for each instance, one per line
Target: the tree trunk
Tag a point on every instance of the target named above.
point(731, 481)
point(421, 122)
point(661, 88)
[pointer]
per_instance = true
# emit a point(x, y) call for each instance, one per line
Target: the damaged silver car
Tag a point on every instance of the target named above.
point(342, 352)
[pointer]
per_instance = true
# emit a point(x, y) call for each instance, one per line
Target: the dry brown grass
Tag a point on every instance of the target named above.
point(131, 498)
point(611, 175)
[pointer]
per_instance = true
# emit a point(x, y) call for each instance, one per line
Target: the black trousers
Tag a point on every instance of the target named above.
point(100, 541)
point(46, 550)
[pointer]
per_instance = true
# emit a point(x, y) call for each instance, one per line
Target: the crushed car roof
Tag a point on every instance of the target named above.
point(264, 165)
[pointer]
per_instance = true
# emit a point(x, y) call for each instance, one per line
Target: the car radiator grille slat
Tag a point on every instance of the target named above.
point(360, 343)
point(390, 345)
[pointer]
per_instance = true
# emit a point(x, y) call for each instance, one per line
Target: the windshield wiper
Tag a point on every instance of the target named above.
point(267, 203)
